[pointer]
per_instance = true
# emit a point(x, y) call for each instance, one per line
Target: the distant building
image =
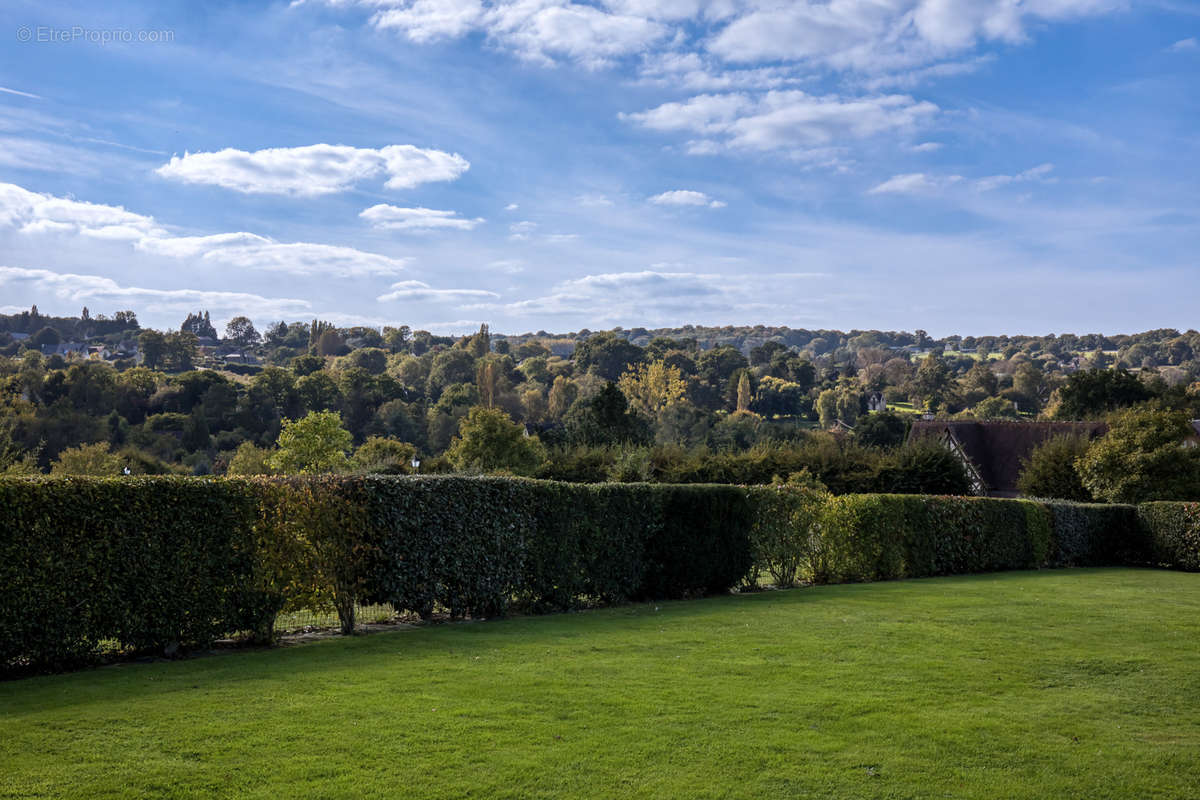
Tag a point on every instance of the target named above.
point(876, 402)
point(64, 349)
point(994, 452)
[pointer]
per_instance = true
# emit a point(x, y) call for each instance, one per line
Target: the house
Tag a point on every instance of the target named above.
point(994, 452)
point(64, 349)
point(876, 402)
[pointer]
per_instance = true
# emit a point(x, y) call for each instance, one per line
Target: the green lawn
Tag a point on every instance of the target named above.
point(1056, 684)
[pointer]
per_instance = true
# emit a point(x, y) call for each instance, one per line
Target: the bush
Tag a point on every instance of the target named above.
point(1050, 470)
point(785, 533)
point(1094, 535)
point(1173, 531)
point(703, 545)
point(148, 562)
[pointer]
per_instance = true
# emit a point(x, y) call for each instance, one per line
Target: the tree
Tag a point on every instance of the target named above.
point(315, 444)
point(563, 393)
point(743, 391)
point(883, 430)
point(488, 440)
point(381, 455)
point(199, 325)
point(827, 408)
point(994, 408)
point(46, 336)
point(931, 385)
point(87, 459)
point(607, 355)
point(241, 332)
point(652, 387)
point(605, 419)
point(1089, 394)
point(1050, 470)
point(1142, 458)
point(152, 346)
point(250, 460)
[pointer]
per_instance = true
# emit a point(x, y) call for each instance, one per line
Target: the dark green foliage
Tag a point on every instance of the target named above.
point(147, 562)
point(154, 562)
point(882, 430)
point(1092, 393)
point(703, 545)
point(922, 468)
point(1095, 535)
point(1174, 533)
point(1050, 471)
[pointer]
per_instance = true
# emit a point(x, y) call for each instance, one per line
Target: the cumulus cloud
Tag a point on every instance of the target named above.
point(33, 213)
point(780, 120)
point(685, 197)
point(1184, 45)
point(416, 291)
point(315, 169)
point(864, 35)
point(876, 36)
point(536, 30)
point(416, 219)
point(914, 183)
point(97, 289)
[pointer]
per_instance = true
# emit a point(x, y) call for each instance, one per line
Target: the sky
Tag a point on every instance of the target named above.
point(960, 166)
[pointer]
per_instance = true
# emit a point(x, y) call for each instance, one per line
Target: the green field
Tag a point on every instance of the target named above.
point(1054, 684)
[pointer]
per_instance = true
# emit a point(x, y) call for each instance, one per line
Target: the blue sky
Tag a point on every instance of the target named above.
point(962, 166)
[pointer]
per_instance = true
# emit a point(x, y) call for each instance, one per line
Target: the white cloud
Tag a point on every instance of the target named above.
point(685, 197)
point(416, 219)
point(927, 147)
point(416, 291)
point(511, 207)
point(97, 289)
point(1039, 174)
point(785, 120)
point(914, 183)
point(32, 213)
point(537, 30)
point(648, 295)
point(520, 231)
point(879, 35)
point(593, 200)
point(315, 169)
point(1184, 45)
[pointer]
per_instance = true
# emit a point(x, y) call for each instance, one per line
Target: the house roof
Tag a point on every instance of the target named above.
point(998, 449)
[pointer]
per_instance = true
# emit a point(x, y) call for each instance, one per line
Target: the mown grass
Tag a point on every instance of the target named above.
point(1056, 684)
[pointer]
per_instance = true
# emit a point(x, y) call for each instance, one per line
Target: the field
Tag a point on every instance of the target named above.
point(1056, 684)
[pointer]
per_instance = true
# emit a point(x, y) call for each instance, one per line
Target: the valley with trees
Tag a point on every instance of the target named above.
point(748, 405)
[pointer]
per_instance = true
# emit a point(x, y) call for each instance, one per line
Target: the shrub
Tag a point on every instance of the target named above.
point(1092, 535)
point(147, 562)
point(1173, 530)
point(785, 532)
point(1050, 470)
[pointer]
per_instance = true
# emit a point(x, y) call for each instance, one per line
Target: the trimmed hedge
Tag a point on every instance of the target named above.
point(1173, 530)
point(154, 563)
point(150, 563)
point(147, 562)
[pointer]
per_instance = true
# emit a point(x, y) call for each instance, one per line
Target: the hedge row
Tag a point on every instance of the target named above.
point(156, 563)
point(152, 563)
point(1174, 534)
